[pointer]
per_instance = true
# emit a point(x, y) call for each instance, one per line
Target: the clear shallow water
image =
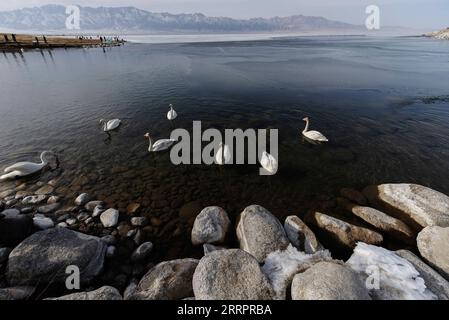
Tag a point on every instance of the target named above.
point(383, 103)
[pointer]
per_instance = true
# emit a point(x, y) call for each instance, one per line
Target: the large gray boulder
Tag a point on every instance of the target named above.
point(382, 221)
point(411, 203)
point(44, 257)
point(301, 236)
point(433, 280)
point(433, 245)
point(170, 280)
point(344, 232)
point(210, 226)
point(103, 293)
point(230, 275)
point(260, 233)
point(328, 281)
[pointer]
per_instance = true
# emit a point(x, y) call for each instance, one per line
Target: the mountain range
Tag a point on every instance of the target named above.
point(131, 19)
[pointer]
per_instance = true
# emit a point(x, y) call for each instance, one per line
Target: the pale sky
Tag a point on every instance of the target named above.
point(419, 14)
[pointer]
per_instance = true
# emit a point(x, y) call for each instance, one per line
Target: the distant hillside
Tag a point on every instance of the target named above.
point(52, 18)
point(442, 34)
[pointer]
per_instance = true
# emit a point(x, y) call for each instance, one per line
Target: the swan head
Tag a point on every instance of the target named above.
point(147, 135)
point(102, 121)
point(45, 154)
point(305, 119)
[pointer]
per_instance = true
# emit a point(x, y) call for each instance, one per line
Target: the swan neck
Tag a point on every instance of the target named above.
point(43, 160)
point(307, 126)
point(150, 147)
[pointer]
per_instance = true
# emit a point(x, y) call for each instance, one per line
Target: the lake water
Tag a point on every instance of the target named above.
point(382, 102)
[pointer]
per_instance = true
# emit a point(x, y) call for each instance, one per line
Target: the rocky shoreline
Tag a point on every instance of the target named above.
point(441, 34)
point(398, 232)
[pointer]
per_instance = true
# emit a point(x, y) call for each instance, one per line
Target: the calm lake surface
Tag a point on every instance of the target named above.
point(382, 102)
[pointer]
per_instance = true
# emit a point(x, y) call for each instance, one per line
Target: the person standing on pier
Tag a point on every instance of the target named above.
point(6, 38)
point(14, 37)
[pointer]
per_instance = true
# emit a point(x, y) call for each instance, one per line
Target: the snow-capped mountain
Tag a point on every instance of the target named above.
point(53, 17)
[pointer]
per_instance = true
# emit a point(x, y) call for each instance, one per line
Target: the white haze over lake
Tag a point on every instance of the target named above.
point(192, 38)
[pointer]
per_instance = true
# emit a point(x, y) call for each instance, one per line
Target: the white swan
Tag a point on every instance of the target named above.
point(171, 115)
point(159, 145)
point(110, 125)
point(313, 135)
point(223, 155)
point(22, 169)
point(269, 163)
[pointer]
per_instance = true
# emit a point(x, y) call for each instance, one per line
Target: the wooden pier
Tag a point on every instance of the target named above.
point(18, 42)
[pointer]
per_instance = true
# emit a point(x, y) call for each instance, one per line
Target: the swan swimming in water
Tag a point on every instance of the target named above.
point(171, 115)
point(314, 136)
point(110, 125)
point(159, 145)
point(223, 155)
point(269, 163)
point(22, 169)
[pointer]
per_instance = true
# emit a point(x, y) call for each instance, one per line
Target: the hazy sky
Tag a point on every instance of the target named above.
point(432, 14)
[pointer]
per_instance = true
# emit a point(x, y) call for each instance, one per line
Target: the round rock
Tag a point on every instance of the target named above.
point(45, 255)
point(109, 218)
point(328, 281)
point(230, 275)
point(210, 226)
point(82, 199)
point(170, 280)
point(260, 233)
point(433, 245)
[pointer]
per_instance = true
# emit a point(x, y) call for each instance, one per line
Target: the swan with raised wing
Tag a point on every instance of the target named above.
point(269, 163)
point(110, 125)
point(223, 155)
point(23, 169)
point(159, 145)
point(312, 135)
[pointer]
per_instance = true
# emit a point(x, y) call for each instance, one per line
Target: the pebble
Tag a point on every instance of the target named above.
point(10, 203)
point(34, 199)
point(21, 194)
point(70, 221)
point(48, 208)
point(44, 190)
point(139, 221)
point(41, 222)
point(109, 218)
point(26, 210)
point(131, 233)
point(82, 199)
point(132, 208)
point(90, 206)
point(142, 252)
point(98, 210)
point(53, 199)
